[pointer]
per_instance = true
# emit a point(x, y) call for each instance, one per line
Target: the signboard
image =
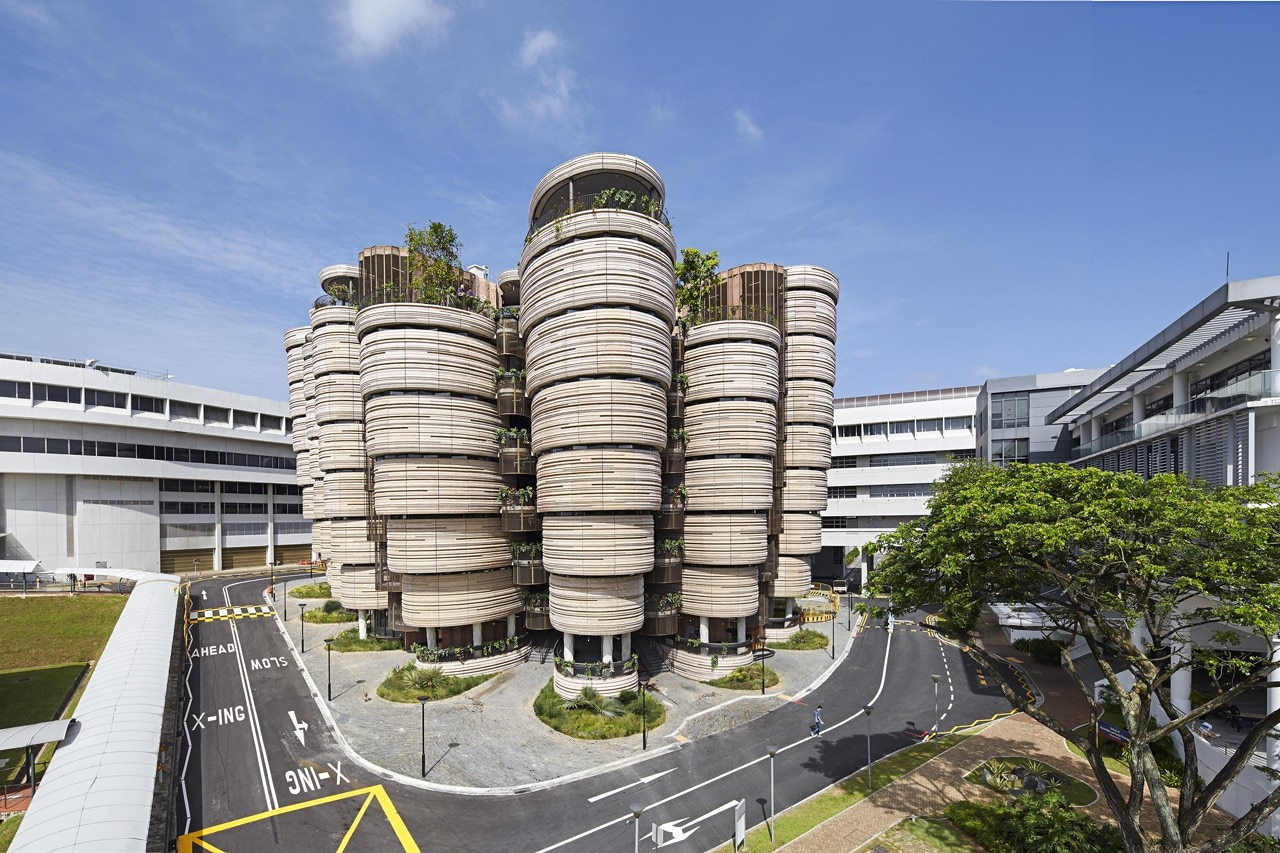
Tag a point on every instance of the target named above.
point(1113, 732)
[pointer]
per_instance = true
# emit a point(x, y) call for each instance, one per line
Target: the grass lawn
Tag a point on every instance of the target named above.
point(8, 829)
point(798, 820)
point(311, 590)
point(349, 641)
point(32, 696)
point(81, 624)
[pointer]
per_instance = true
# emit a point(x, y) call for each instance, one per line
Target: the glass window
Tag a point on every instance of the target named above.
point(1011, 411)
point(104, 399)
point(902, 427)
point(10, 443)
point(32, 445)
point(889, 460)
point(844, 462)
point(929, 425)
point(271, 423)
point(182, 411)
point(875, 429)
point(902, 490)
point(849, 431)
point(55, 393)
point(837, 492)
point(835, 522)
point(56, 445)
point(965, 422)
point(20, 390)
point(143, 403)
point(244, 420)
point(216, 415)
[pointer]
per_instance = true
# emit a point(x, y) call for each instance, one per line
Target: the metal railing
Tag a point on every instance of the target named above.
point(611, 199)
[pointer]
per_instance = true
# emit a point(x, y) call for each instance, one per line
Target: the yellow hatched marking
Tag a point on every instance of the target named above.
point(187, 843)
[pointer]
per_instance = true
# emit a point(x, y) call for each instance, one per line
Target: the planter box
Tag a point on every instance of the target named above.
point(526, 572)
point(509, 342)
point(520, 519)
point(666, 571)
point(537, 620)
point(515, 460)
point(660, 624)
point(511, 401)
point(670, 518)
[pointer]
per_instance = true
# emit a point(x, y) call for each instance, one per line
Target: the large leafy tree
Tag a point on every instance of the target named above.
point(697, 274)
point(433, 264)
point(1131, 567)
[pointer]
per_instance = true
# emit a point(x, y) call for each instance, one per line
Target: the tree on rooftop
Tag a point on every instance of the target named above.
point(697, 274)
point(433, 262)
point(1130, 567)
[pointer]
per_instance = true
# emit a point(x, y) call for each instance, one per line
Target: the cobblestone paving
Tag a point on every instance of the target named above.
point(499, 742)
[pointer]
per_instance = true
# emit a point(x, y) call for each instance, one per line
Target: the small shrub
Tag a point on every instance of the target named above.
point(328, 613)
point(981, 822)
point(349, 641)
point(806, 639)
point(406, 683)
point(332, 606)
point(576, 717)
point(311, 590)
point(747, 678)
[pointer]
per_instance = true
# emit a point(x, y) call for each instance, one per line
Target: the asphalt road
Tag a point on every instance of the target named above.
point(264, 773)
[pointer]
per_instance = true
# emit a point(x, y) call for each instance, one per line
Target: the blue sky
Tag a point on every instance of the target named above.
point(1002, 188)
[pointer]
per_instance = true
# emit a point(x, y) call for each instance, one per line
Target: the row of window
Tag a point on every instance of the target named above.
point(241, 528)
point(836, 492)
point(125, 450)
point(923, 426)
point(889, 460)
point(117, 502)
point(1005, 451)
point(207, 487)
point(178, 409)
point(902, 490)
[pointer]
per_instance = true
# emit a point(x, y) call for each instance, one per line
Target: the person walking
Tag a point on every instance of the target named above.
point(816, 728)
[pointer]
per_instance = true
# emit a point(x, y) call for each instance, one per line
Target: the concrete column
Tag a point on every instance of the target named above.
point(432, 641)
point(1275, 340)
point(362, 623)
point(1139, 408)
point(568, 647)
point(511, 625)
point(217, 527)
point(1181, 388)
point(1273, 694)
point(477, 634)
point(271, 525)
point(742, 629)
point(626, 646)
point(1086, 432)
point(606, 648)
point(704, 629)
point(1180, 680)
point(1097, 428)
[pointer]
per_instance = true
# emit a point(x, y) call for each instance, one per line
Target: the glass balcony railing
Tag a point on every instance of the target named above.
point(1259, 386)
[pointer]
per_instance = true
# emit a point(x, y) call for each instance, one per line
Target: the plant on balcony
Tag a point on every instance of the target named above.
point(672, 548)
point(696, 275)
point(675, 495)
point(680, 381)
point(526, 550)
point(679, 438)
point(512, 497)
point(664, 602)
point(507, 312)
point(511, 437)
point(536, 600)
point(508, 378)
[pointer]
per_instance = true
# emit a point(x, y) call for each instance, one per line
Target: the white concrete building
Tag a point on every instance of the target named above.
point(105, 467)
point(887, 450)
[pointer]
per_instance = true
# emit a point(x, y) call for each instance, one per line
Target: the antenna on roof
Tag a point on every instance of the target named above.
point(1228, 276)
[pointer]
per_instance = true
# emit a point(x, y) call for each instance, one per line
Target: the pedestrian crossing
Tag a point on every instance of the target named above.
point(218, 614)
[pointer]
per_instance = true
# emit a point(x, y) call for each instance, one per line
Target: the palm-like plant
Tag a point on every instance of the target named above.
point(423, 679)
point(590, 699)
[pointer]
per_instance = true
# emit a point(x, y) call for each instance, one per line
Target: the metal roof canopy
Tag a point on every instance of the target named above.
point(20, 737)
point(97, 792)
point(20, 567)
point(1232, 304)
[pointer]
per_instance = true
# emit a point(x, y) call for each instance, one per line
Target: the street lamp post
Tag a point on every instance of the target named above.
point(636, 811)
point(422, 700)
point(644, 717)
point(272, 584)
point(867, 710)
point(937, 721)
point(848, 611)
point(302, 621)
point(328, 647)
point(773, 750)
point(760, 661)
point(833, 636)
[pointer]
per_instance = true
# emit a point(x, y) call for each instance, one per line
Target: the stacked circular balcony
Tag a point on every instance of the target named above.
point(295, 348)
point(731, 420)
point(338, 418)
point(810, 370)
point(597, 307)
point(427, 379)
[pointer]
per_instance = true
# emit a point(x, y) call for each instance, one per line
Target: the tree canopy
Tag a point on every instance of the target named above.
point(1131, 567)
point(697, 274)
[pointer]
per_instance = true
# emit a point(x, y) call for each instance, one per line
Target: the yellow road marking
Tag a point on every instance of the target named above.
point(681, 738)
point(187, 843)
point(351, 830)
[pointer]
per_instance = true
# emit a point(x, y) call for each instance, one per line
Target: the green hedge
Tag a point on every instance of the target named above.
point(590, 725)
point(806, 639)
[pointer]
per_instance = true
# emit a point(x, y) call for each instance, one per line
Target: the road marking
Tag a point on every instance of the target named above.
point(299, 728)
point(337, 772)
point(884, 675)
point(324, 774)
point(223, 614)
point(673, 831)
point(642, 781)
point(188, 843)
point(255, 727)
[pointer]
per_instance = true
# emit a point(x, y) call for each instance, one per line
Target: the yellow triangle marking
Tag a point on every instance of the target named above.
point(206, 845)
point(351, 830)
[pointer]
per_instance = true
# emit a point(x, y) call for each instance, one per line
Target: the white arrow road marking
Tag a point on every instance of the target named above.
point(299, 728)
point(643, 781)
point(673, 831)
point(337, 772)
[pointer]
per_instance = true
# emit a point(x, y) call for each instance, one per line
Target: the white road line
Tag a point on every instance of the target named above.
point(884, 674)
point(255, 725)
point(642, 781)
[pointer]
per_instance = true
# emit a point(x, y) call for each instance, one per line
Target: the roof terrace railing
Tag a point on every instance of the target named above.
point(1259, 386)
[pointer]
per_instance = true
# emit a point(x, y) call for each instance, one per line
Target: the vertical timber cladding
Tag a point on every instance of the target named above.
point(174, 562)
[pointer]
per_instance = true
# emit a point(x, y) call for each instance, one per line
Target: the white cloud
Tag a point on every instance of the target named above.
point(537, 45)
point(746, 126)
point(374, 26)
point(29, 13)
point(552, 94)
